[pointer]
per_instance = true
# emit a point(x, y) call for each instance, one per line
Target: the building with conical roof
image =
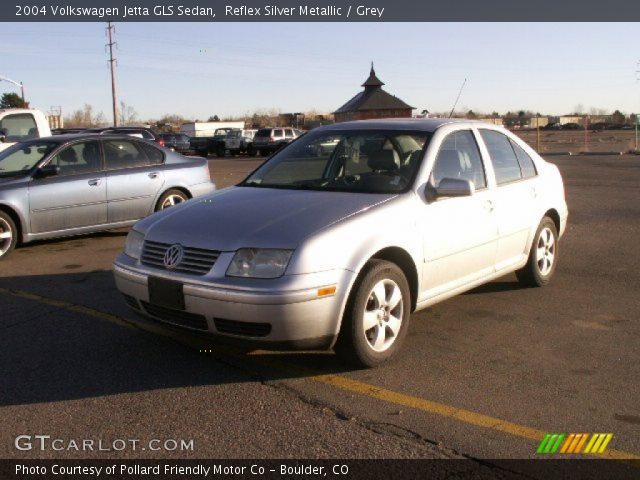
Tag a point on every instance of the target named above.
point(373, 102)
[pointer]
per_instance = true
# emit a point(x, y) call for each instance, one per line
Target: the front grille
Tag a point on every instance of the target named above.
point(185, 319)
point(132, 302)
point(247, 329)
point(195, 261)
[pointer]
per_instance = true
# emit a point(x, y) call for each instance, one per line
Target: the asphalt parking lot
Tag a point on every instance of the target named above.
point(483, 375)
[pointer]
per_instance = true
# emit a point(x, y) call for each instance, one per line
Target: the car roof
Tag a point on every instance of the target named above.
point(419, 124)
point(67, 137)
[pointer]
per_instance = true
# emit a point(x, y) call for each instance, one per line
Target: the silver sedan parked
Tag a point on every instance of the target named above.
point(72, 184)
point(336, 239)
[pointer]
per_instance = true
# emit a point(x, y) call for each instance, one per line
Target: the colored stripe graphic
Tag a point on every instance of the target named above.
point(573, 443)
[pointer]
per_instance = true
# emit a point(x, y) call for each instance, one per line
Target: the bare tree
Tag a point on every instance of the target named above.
point(128, 114)
point(85, 117)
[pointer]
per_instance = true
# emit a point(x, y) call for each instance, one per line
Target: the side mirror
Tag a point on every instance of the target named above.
point(453, 187)
point(47, 171)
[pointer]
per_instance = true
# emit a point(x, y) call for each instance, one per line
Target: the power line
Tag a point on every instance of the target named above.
point(112, 64)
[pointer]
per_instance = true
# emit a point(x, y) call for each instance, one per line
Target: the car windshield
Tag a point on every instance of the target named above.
point(352, 161)
point(22, 157)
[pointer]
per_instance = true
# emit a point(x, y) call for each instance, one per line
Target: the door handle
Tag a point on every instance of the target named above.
point(489, 205)
point(153, 175)
point(534, 192)
point(95, 182)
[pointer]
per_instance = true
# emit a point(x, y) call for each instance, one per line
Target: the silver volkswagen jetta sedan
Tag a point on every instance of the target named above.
point(72, 184)
point(336, 239)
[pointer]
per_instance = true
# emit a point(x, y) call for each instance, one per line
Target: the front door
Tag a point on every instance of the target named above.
point(74, 198)
point(460, 233)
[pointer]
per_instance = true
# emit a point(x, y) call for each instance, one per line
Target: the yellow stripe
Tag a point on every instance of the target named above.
point(566, 443)
point(596, 446)
point(606, 442)
point(594, 437)
point(338, 381)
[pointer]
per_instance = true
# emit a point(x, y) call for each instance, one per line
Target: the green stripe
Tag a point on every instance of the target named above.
point(558, 443)
point(543, 443)
point(550, 443)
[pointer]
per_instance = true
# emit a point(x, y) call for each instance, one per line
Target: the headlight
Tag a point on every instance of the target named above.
point(133, 247)
point(259, 263)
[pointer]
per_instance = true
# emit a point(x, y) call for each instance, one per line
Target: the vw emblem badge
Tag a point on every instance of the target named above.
point(173, 256)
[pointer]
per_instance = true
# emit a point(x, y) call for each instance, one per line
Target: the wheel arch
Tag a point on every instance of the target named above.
point(165, 190)
point(17, 220)
point(402, 259)
point(553, 214)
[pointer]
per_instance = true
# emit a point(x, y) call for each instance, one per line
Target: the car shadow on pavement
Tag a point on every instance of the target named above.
point(56, 344)
point(497, 286)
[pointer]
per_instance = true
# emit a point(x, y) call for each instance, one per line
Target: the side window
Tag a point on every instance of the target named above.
point(19, 127)
point(278, 133)
point(288, 133)
point(124, 154)
point(527, 166)
point(503, 158)
point(459, 157)
point(79, 158)
point(155, 155)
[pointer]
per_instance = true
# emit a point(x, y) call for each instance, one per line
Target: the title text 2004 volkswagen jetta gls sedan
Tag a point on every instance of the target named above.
point(336, 239)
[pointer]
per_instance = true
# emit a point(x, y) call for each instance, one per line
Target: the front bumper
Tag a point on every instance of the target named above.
point(290, 315)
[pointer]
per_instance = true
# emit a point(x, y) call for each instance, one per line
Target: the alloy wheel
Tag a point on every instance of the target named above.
point(383, 314)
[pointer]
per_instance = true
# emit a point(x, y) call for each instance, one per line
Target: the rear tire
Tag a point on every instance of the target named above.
point(8, 235)
point(170, 198)
point(376, 318)
point(251, 151)
point(543, 256)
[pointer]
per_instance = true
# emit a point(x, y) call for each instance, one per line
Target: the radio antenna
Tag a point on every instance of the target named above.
point(458, 97)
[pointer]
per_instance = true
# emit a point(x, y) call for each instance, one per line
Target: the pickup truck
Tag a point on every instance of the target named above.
point(204, 146)
point(20, 124)
point(238, 141)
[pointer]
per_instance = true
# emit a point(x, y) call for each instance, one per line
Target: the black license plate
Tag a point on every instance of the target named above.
point(165, 293)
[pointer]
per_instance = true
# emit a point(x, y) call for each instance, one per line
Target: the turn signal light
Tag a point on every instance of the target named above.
point(326, 291)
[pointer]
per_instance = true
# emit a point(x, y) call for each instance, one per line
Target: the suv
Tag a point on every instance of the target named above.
point(268, 140)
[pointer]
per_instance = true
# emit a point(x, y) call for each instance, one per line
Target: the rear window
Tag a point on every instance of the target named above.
point(264, 132)
point(503, 158)
point(19, 127)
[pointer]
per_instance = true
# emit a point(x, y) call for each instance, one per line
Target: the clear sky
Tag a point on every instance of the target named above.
point(202, 69)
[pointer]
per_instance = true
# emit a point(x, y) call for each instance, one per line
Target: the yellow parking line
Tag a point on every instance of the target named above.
point(337, 381)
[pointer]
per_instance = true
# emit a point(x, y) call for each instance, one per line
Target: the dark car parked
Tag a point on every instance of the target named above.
point(178, 142)
point(269, 140)
point(141, 132)
point(67, 131)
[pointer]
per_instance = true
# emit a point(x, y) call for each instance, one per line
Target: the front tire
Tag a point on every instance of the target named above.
point(543, 256)
point(171, 198)
point(8, 235)
point(376, 318)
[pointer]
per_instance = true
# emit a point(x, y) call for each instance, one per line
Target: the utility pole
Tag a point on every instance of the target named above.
point(112, 64)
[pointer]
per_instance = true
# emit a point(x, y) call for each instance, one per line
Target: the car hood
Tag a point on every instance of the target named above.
point(240, 217)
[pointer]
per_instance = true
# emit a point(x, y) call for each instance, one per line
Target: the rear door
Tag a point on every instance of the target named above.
point(515, 197)
point(134, 178)
point(74, 198)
